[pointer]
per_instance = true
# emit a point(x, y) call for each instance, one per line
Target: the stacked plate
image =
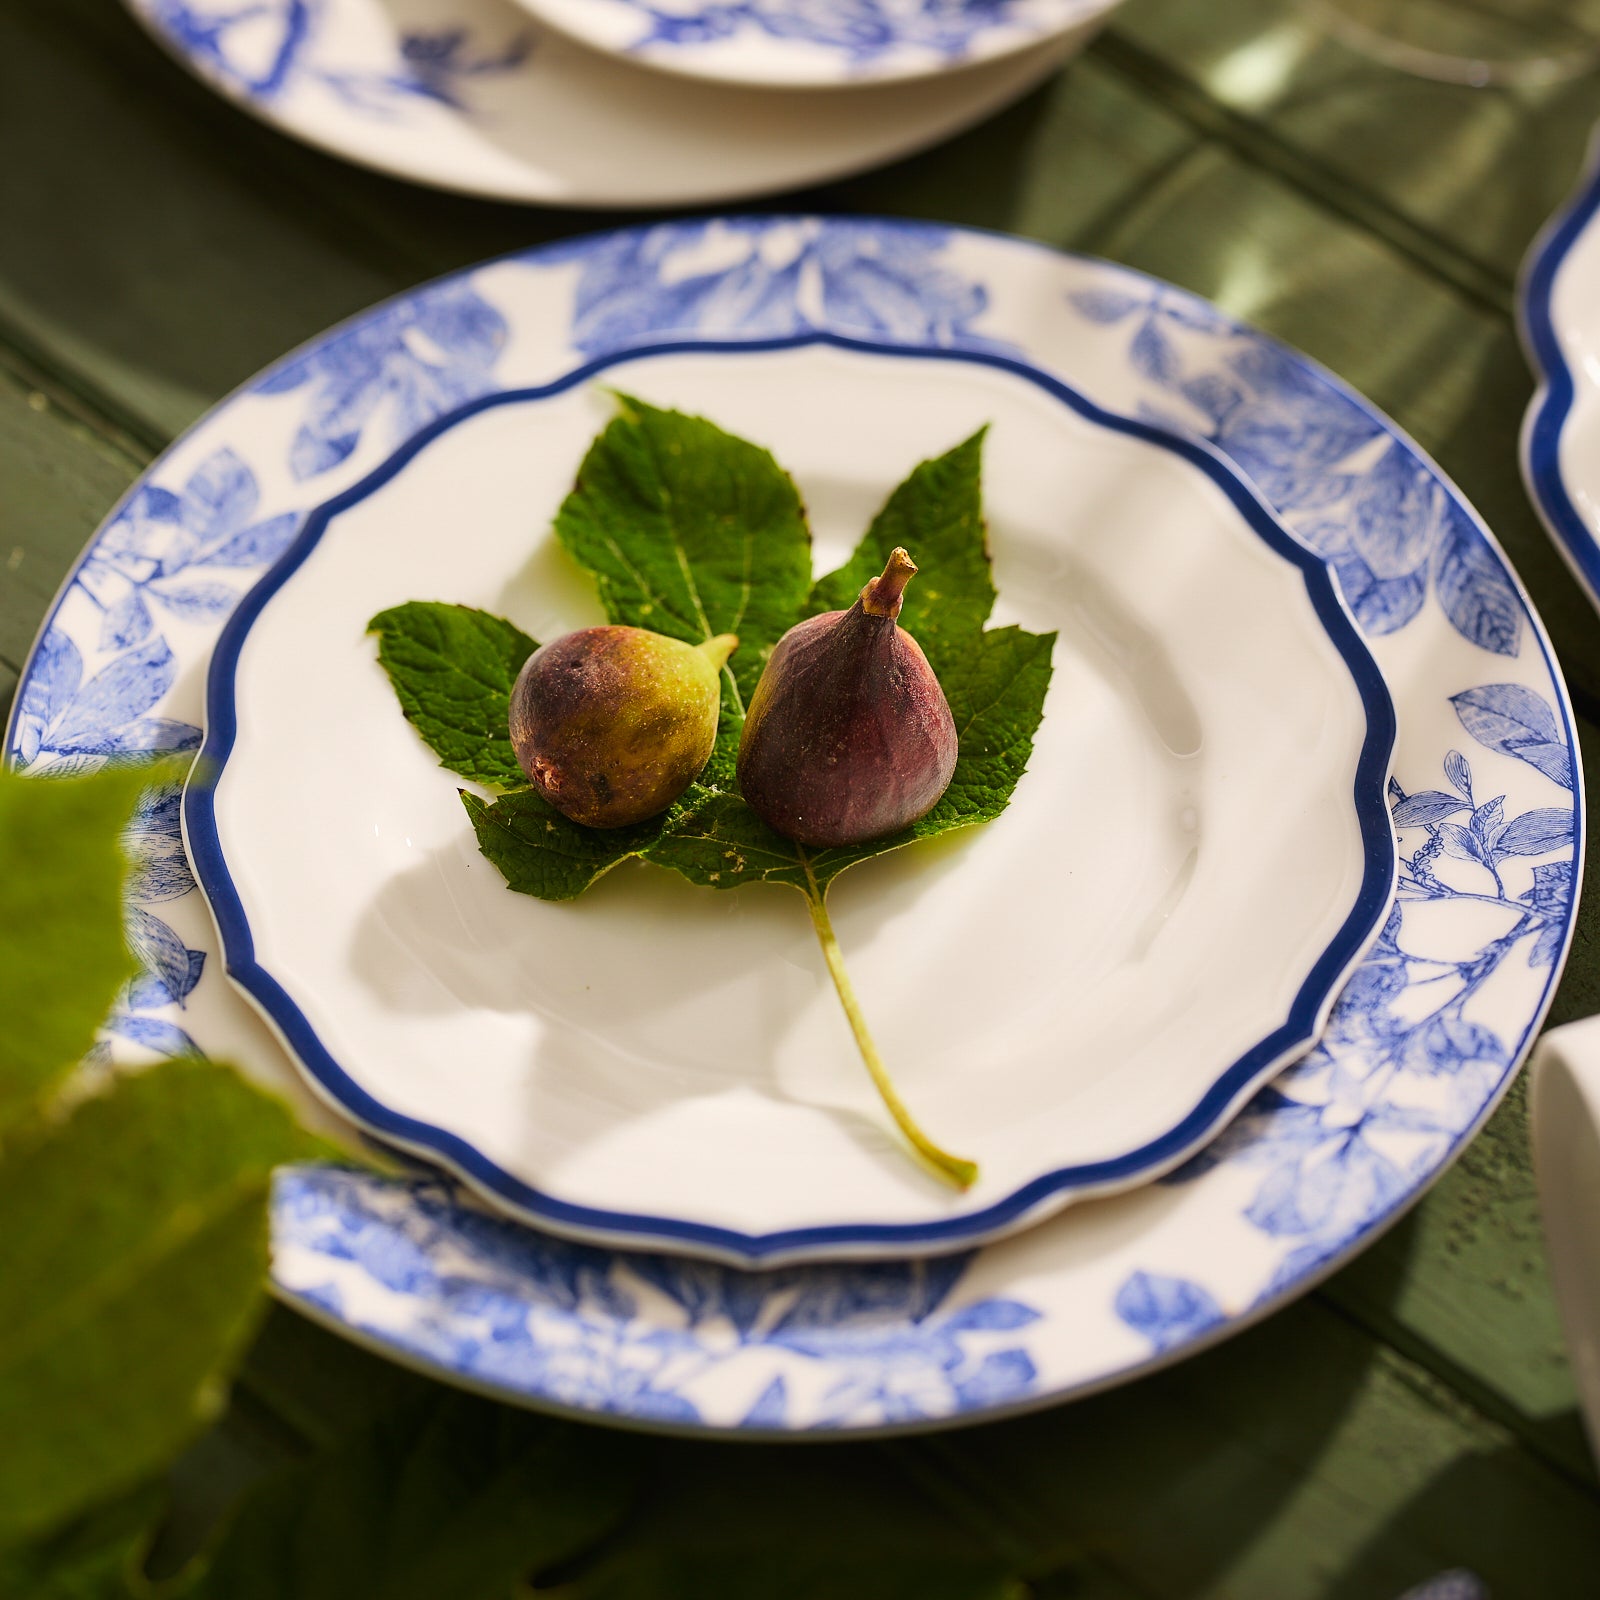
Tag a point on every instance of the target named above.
point(1260, 941)
point(622, 102)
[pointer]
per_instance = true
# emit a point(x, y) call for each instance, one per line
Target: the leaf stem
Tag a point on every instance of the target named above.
point(953, 1169)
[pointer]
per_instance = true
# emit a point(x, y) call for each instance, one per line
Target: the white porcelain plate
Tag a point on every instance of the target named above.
point(473, 95)
point(1076, 995)
point(1425, 1037)
point(1559, 306)
point(813, 43)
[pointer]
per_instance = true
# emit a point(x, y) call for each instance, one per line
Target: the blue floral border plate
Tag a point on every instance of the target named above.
point(1559, 317)
point(1422, 1043)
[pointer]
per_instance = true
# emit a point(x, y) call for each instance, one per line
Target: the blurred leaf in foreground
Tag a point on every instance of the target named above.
point(62, 951)
point(133, 1209)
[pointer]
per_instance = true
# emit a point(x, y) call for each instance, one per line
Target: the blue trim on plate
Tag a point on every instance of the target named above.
point(1553, 405)
point(1299, 1028)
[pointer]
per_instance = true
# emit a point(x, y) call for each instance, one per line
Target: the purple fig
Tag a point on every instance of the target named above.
point(612, 724)
point(848, 736)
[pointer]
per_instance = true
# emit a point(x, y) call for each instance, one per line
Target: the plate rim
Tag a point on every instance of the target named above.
point(1033, 1200)
point(705, 63)
point(1555, 397)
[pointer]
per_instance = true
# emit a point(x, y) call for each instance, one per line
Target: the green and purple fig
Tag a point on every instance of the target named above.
point(848, 736)
point(612, 724)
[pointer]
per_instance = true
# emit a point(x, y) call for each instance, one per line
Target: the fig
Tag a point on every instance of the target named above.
point(612, 724)
point(848, 736)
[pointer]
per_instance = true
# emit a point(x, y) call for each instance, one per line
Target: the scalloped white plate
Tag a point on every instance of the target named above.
point(1075, 995)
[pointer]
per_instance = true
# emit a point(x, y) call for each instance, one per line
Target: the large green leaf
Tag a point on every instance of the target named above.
point(62, 951)
point(446, 1498)
point(692, 532)
point(936, 514)
point(135, 1250)
point(453, 669)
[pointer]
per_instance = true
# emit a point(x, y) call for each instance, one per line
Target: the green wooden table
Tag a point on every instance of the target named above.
point(1416, 1412)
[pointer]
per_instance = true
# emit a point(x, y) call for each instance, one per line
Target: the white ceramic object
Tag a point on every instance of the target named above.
point(1076, 995)
point(472, 95)
point(794, 44)
point(1565, 1116)
point(1423, 1042)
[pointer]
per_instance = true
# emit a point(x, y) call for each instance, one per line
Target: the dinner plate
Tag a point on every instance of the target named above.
point(1077, 994)
point(473, 95)
point(1421, 1045)
point(1559, 314)
point(813, 43)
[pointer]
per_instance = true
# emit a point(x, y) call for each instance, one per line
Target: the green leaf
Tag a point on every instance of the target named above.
point(135, 1250)
point(692, 532)
point(540, 852)
point(937, 515)
point(453, 668)
point(445, 1497)
point(62, 951)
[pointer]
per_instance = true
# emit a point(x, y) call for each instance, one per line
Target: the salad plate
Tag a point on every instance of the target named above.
point(807, 44)
point(1424, 1039)
point(475, 96)
point(664, 1065)
point(1559, 317)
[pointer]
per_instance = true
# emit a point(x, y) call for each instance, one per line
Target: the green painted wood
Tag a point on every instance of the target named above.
point(1479, 170)
point(1297, 1460)
point(56, 482)
point(134, 260)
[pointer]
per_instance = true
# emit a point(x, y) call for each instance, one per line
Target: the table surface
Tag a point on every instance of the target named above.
point(1413, 1414)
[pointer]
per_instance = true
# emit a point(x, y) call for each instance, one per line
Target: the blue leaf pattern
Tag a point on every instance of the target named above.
point(265, 49)
point(1515, 721)
point(740, 276)
point(1167, 1311)
point(1385, 525)
point(883, 1333)
point(858, 31)
point(406, 365)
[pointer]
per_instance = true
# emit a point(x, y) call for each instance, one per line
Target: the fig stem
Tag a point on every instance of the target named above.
point(953, 1169)
point(883, 595)
point(717, 650)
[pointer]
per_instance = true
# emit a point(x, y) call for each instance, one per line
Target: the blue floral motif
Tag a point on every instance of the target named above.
point(619, 1332)
point(263, 49)
point(1360, 497)
point(744, 277)
point(861, 31)
point(1344, 1133)
point(409, 363)
point(1169, 1312)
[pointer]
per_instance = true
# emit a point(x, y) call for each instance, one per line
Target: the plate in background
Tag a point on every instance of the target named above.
point(472, 95)
point(796, 44)
point(1425, 1038)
